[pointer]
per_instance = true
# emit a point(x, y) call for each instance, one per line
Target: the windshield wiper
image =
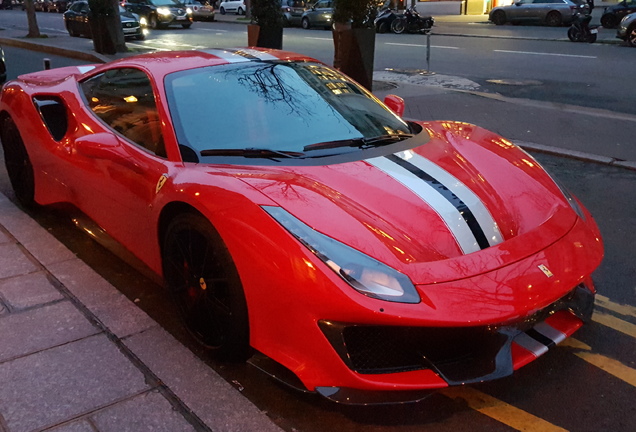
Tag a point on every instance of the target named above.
point(253, 153)
point(361, 143)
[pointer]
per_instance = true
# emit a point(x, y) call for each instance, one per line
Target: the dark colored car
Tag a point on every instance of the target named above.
point(319, 15)
point(161, 13)
point(614, 14)
point(58, 6)
point(627, 30)
point(76, 20)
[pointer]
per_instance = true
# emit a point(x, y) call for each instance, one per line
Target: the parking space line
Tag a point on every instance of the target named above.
point(611, 366)
point(420, 46)
point(615, 323)
point(545, 54)
point(501, 411)
point(621, 309)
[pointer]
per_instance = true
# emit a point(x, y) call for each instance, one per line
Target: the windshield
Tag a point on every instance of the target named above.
point(280, 106)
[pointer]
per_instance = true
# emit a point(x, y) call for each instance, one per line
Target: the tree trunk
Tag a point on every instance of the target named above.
point(34, 30)
point(354, 53)
point(108, 36)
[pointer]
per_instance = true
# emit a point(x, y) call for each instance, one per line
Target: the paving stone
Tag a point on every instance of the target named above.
point(56, 385)
point(149, 412)
point(78, 426)
point(37, 240)
point(13, 262)
point(38, 329)
point(208, 395)
point(25, 291)
point(120, 315)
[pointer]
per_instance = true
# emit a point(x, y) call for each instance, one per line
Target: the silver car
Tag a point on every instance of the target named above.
point(201, 9)
point(549, 12)
point(627, 29)
point(319, 15)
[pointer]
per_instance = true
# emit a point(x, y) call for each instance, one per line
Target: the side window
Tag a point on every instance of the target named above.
point(124, 100)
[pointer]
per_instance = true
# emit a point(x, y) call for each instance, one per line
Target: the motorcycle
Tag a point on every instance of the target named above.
point(384, 19)
point(412, 22)
point(581, 30)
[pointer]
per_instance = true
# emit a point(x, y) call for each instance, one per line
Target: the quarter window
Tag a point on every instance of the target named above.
point(123, 99)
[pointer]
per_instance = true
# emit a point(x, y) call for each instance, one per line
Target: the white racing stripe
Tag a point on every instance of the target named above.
point(550, 332)
point(532, 345)
point(240, 55)
point(447, 211)
point(476, 206)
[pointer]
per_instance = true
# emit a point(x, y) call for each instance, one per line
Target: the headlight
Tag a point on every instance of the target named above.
point(189, 11)
point(143, 21)
point(366, 275)
point(163, 11)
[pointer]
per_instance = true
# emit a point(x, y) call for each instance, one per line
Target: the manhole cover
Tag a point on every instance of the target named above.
point(512, 82)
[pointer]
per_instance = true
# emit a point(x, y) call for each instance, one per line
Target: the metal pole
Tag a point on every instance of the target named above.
point(428, 51)
point(47, 64)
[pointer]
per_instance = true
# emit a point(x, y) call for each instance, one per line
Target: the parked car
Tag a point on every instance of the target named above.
point(201, 9)
point(293, 11)
point(548, 12)
point(58, 6)
point(41, 5)
point(161, 13)
point(236, 6)
point(358, 250)
point(627, 29)
point(318, 15)
point(612, 15)
point(77, 21)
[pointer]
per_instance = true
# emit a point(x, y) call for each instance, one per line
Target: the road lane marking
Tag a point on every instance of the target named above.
point(214, 30)
point(611, 366)
point(615, 323)
point(606, 303)
point(501, 411)
point(545, 54)
point(319, 38)
point(420, 46)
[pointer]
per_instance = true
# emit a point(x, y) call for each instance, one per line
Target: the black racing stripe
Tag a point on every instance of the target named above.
point(540, 338)
point(461, 207)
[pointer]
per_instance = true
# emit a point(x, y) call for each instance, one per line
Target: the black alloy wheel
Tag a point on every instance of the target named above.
point(499, 17)
point(554, 19)
point(202, 278)
point(609, 21)
point(19, 167)
point(305, 23)
point(398, 25)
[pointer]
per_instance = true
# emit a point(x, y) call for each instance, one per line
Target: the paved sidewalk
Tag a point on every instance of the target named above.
point(77, 356)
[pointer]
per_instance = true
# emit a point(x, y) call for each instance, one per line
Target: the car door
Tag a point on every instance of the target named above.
point(123, 162)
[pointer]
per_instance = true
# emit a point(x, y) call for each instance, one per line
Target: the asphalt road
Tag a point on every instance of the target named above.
point(588, 385)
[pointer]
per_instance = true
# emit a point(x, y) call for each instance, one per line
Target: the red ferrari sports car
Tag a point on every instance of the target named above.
point(292, 213)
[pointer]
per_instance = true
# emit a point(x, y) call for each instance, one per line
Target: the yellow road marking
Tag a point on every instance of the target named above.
point(502, 412)
point(606, 303)
point(615, 323)
point(611, 366)
point(575, 343)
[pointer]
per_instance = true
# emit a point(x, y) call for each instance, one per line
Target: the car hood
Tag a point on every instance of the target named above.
point(406, 209)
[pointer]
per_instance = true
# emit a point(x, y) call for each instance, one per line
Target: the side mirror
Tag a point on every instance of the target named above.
point(395, 103)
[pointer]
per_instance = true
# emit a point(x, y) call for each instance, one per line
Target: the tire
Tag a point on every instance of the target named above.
point(140, 37)
point(201, 276)
point(18, 163)
point(152, 22)
point(222, 10)
point(398, 25)
point(573, 34)
point(240, 11)
point(499, 17)
point(631, 36)
point(186, 26)
point(305, 23)
point(554, 19)
point(72, 32)
point(382, 27)
point(609, 21)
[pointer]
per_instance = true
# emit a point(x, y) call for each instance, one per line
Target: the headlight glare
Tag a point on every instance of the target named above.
point(163, 11)
point(365, 274)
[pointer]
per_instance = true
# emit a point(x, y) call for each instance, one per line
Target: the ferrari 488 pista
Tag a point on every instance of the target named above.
point(292, 213)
